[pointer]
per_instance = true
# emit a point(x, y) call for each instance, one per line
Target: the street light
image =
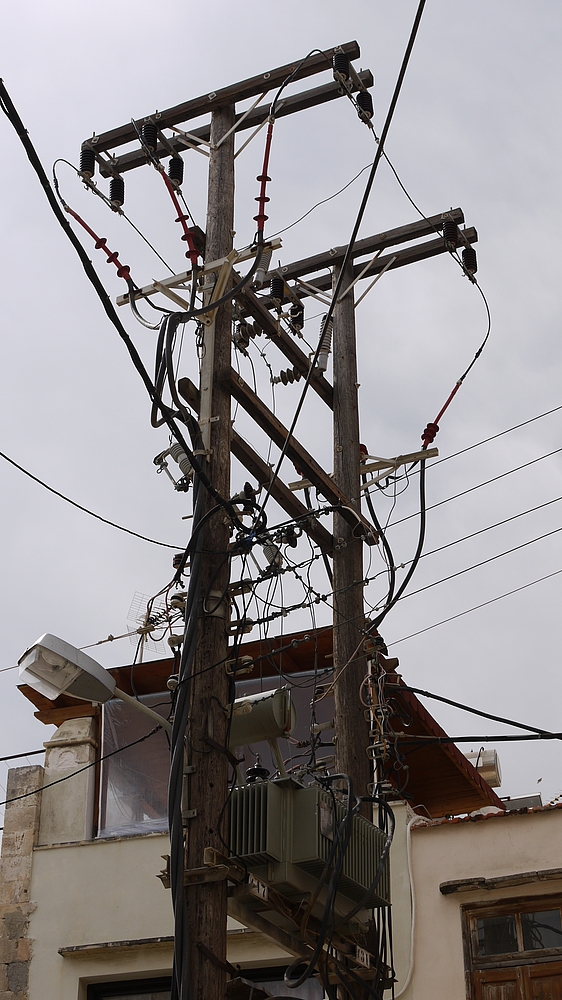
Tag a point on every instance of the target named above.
point(52, 667)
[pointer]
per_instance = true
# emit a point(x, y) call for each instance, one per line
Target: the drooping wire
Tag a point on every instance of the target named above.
point(118, 210)
point(79, 506)
point(353, 238)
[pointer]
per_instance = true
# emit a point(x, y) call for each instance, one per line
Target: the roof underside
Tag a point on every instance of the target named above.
point(439, 776)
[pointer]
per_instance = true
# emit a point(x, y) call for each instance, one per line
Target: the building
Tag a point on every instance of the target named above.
point(85, 915)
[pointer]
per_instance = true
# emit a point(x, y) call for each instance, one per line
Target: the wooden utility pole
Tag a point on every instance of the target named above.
point(206, 774)
point(208, 785)
point(349, 619)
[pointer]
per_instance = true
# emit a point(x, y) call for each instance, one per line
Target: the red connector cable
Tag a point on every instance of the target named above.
point(123, 270)
point(192, 253)
point(431, 430)
point(261, 218)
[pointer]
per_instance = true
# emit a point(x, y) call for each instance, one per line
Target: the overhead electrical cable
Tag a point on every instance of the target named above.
point(519, 738)
point(484, 562)
point(119, 211)
point(489, 527)
point(79, 506)
point(349, 251)
point(92, 763)
point(323, 202)
point(486, 482)
point(477, 607)
point(15, 756)
point(466, 708)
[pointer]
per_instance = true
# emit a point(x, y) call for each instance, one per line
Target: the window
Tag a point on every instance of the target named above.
point(134, 782)
point(139, 989)
point(514, 950)
point(271, 979)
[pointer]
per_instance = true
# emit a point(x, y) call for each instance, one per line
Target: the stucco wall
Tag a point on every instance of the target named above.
point(107, 891)
point(488, 848)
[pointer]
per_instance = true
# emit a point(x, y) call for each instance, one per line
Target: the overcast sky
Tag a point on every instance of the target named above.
point(477, 126)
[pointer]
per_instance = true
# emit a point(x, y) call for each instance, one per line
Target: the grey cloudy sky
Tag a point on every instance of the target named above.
point(477, 126)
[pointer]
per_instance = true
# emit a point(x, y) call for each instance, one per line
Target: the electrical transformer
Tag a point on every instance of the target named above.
point(283, 833)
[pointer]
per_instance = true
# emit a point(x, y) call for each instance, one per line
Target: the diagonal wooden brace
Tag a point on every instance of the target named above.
point(261, 472)
point(297, 454)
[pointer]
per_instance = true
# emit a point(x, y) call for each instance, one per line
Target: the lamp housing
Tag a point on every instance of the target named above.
point(53, 667)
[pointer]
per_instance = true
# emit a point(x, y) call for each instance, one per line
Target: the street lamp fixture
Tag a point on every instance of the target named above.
point(53, 667)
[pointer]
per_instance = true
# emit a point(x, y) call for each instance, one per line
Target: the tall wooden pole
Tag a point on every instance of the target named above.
point(208, 784)
point(350, 726)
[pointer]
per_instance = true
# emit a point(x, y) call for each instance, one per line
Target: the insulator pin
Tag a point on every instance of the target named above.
point(365, 105)
point(340, 64)
point(450, 234)
point(117, 191)
point(277, 290)
point(87, 163)
point(175, 170)
point(241, 335)
point(326, 330)
point(257, 772)
point(469, 260)
point(149, 134)
point(296, 316)
point(288, 375)
point(262, 269)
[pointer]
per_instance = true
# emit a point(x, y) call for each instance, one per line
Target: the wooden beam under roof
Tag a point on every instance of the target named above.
point(197, 106)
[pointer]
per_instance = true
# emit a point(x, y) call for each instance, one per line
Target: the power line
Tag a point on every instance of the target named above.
point(428, 740)
point(79, 506)
point(486, 482)
point(466, 708)
point(92, 763)
point(323, 202)
point(493, 437)
point(484, 562)
point(476, 607)
point(489, 527)
point(15, 756)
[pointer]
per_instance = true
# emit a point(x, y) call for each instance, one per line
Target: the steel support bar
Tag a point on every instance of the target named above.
point(261, 472)
point(297, 454)
point(317, 63)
